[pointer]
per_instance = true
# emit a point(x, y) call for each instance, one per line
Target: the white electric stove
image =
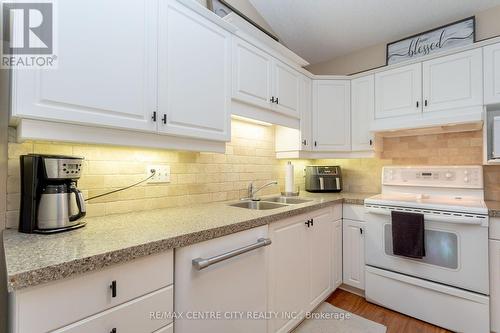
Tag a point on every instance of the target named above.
point(449, 287)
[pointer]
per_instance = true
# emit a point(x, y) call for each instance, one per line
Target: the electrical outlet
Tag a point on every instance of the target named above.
point(162, 174)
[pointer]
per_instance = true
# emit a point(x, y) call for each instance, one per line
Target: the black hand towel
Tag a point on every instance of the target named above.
point(408, 234)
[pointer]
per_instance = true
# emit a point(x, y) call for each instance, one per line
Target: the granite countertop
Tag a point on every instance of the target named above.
point(33, 259)
point(493, 208)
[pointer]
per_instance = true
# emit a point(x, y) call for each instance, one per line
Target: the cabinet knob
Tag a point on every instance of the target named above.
point(272, 99)
point(308, 223)
point(315, 143)
point(113, 288)
point(277, 100)
point(371, 142)
point(154, 117)
point(304, 142)
point(113, 330)
point(164, 119)
point(361, 231)
point(425, 103)
point(418, 104)
point(312, 222)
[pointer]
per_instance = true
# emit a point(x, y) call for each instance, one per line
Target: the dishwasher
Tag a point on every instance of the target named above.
point(221, 284)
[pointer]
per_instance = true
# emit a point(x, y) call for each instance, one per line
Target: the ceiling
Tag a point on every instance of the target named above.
point(319, 30)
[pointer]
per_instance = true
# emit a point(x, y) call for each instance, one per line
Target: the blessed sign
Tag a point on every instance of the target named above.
point(444, 38)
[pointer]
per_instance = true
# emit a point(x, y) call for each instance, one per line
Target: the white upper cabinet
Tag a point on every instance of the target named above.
point(305, 113)
point(331, 115)
point(252, 74)
point(287, 91)
point(362, 112)
point(398, 92)
point(194, 74)
point(492, 74)
point(106, 73)
point(263, 81)
point(453, 82)
point(294, 140)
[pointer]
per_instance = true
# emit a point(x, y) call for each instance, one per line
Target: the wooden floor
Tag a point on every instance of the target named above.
point(394, 321)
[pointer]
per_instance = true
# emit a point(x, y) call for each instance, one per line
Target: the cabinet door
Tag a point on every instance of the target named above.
point(320, 257)
point(291, 139)
point(454, 81)
point(495, 285)
point(194, 74)
point(398, 92)
point(107, 67)
point(288, 271)
point(362, 112)
point(337, 254)
point(305, 113)
point(492, 74)
point(252, 75)
point(286, 89)
point(331, 115)
point(354, 254)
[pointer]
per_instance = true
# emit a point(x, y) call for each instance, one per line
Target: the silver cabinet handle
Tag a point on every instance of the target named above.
point(201, 263)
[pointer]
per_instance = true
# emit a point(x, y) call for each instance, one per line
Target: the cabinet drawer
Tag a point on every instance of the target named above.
point(53, 305)
point(132, 317)
point(354, 212)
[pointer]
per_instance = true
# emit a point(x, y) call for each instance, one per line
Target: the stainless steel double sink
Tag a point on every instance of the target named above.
point(269, 203)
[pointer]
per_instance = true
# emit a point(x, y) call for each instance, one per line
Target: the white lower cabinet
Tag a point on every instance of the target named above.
point(354, 253)
point(301, 265)
point(495, 285)
point(121, 296)
point(320, 257)
point(337, 254)
point(353, 246)
point(131, 317)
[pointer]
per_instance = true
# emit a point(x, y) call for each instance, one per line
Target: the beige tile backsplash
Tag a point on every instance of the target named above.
point(250, 156)
point(196, 177)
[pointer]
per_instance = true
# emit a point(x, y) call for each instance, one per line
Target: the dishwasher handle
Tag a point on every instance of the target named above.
point(201, 263)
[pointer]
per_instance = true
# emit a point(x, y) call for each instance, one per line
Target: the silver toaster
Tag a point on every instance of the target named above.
point(323, 178)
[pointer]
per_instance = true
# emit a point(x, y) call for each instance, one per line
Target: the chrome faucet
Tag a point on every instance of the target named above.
point(251, 191)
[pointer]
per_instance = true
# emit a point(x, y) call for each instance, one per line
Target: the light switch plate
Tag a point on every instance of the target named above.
point(162, 173)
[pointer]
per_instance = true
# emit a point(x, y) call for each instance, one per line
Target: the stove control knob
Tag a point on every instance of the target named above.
point(466, 172)
point(448, 175)
point(466, 179)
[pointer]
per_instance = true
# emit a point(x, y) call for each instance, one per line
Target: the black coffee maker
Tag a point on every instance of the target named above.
point(50, 200)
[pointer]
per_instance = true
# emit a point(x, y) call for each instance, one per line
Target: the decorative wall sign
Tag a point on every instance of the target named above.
point(447, 37)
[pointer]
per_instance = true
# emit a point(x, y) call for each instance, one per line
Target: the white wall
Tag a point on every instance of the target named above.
point(487, 26)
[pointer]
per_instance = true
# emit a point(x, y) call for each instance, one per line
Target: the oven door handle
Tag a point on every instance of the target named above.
point(436, 218)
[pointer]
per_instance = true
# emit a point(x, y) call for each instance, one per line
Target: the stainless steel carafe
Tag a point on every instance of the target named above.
point(61, 206)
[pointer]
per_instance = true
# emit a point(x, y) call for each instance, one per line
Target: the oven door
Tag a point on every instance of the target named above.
point(456, 247)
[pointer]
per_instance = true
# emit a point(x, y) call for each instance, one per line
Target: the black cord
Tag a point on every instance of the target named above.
point(153, 171)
